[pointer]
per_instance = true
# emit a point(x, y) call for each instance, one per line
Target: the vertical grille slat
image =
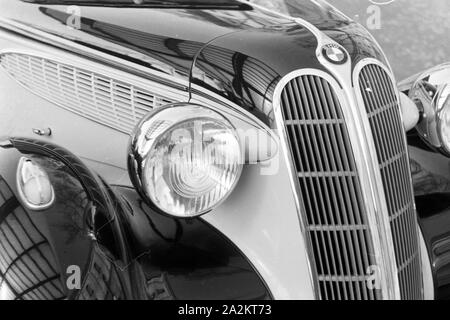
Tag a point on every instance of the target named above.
point(383, 111)
point(330, 188)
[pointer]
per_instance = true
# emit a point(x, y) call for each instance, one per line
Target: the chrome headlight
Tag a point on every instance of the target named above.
point(185, 159)
point(444, 120)
point(431, 93)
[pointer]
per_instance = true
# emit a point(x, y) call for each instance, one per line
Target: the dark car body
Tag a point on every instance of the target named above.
point(232, 54)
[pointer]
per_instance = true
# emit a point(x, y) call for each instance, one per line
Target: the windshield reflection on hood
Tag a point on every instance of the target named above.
point(226, 3)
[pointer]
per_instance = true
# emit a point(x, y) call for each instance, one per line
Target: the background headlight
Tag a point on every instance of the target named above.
point(444, 124)
point(431, 93)
point(185, 159)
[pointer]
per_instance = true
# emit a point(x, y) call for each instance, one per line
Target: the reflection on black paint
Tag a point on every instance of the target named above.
point(37, 247)
point(188, 259)
point(432, 191)
point(173, 56)
point(248, 76)
point(249, 49)
point(28, 266)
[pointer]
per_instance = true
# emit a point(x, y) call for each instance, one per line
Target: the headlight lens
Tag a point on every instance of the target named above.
point(431, 93)
point(190, 159)
point(444, 125)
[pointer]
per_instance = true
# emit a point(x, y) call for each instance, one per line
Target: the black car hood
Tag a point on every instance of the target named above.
point(165, 39)
point(245, 67)
point(168, 39)
point(161, 38)
point(240, 53)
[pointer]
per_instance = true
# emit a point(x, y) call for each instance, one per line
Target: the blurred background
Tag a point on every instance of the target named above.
point(415, 34)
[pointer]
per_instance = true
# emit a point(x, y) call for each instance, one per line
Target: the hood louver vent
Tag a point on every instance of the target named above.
point(111, 102)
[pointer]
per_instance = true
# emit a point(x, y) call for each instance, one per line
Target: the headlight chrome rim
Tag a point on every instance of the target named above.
point(431, 91)
point(157, 124)
point(442, 125)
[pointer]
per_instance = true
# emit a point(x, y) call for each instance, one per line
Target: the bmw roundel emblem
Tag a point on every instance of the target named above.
point(334, 54)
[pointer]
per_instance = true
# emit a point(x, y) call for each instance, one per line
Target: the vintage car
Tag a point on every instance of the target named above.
point(216, 149)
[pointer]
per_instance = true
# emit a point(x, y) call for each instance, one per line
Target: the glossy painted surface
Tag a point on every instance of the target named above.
point(245, 66)
point(187, 259)
point(333, 23)
point(239, 42)
point(431, 177)
point(149, 37)
point(256, 228)
point(239, 55)
point(102, 231)
point(41, 251)
point(153, 37)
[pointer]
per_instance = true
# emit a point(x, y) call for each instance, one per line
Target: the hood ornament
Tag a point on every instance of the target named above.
point(334, 54)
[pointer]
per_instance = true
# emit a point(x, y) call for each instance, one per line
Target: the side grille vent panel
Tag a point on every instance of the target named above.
point(330, 188)
point(111, 102)
point(383, 111)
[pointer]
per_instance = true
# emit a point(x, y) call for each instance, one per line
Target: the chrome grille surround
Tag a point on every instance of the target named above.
point(342, 81)
point(335, 217)
point(381, 243)
point(101, 94)
point(375, 89)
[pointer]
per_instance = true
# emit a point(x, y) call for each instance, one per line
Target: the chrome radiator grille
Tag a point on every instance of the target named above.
point(382, 109)
point(111, 102)
point(330, 189)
